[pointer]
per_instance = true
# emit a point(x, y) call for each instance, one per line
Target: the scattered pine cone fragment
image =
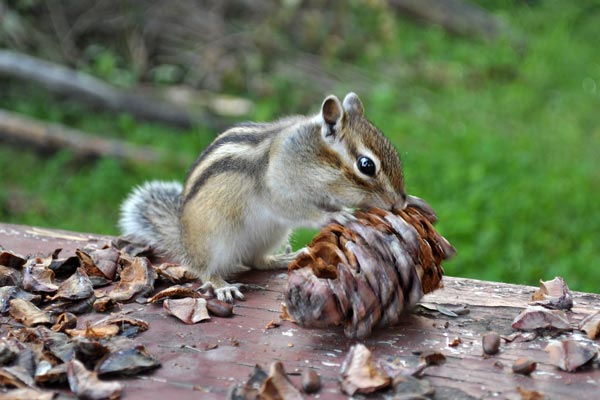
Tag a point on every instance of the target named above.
point(363, 270)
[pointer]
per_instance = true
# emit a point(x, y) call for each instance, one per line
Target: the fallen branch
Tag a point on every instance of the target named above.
point(65, 81)
point(47, 136)
point(455, 16)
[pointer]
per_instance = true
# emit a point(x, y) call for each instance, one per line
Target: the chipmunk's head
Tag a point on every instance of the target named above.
point(365, 167)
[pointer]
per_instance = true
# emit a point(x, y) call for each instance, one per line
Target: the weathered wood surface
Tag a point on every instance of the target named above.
point(190, 372)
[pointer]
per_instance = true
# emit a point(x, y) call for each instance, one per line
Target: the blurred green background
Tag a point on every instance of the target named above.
point(500, 135)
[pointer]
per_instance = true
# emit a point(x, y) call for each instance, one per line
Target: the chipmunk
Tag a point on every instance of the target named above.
point(257, 181)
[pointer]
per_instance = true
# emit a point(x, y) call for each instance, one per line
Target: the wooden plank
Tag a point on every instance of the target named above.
point(189, 371)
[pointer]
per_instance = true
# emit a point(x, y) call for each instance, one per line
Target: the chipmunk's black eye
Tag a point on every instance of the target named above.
point(366, 166)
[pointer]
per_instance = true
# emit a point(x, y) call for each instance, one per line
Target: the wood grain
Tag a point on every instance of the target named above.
point(190, 371)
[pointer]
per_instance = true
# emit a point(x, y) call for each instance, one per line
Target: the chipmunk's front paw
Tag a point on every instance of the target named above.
point(226, 292)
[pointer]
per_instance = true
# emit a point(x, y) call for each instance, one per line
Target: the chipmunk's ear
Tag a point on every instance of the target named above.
point(332, 113)
point(353, 105)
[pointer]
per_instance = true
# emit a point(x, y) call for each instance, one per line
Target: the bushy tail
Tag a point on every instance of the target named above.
point(150, 215)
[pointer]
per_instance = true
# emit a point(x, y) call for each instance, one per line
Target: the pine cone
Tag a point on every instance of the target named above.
point(364, 269)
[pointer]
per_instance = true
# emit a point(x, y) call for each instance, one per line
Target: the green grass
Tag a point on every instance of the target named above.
point(502, 139)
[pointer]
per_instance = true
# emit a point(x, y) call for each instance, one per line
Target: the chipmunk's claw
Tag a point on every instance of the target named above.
point(226, 293)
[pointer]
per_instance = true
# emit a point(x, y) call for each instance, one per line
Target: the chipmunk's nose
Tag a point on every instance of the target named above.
point(400, 204)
